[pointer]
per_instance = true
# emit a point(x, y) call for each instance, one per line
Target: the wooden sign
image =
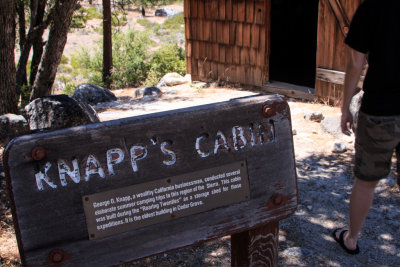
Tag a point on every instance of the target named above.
point(112, 192)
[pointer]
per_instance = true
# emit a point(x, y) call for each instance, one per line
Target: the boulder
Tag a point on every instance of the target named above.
point(172, 79)
point(59, 111)
point(92, 94)
point(153, 91)
point(166, 12)
point(12, 125)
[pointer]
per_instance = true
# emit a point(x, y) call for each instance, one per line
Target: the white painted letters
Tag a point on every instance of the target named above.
point(111, 161)
point(168, 152)
point(63, 170)
point(137, 153)
point(239, 141)
point(220, 142)
point(42, 176)
point(93, 167)
point(201, 153)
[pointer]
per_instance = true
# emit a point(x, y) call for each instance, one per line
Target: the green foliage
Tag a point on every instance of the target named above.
point(130, 58)
point(168, 58)
point(82, 15)
point(92, 13)
point(147, 24)
point(118, 19)
point(79, 19)
point(25, 95)
point(69, 89)
point(64, 60)
point(176, 21)
point(132, 63)
point(64, 69)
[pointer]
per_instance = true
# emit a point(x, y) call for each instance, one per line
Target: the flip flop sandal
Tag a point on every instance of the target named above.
point(340, 240)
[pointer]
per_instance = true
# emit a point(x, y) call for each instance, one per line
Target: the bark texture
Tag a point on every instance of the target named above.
point(8, 100)
point(54, 48)
point(107, 43)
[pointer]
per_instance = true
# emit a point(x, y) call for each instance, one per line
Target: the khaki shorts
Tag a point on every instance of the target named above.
point(376, 139)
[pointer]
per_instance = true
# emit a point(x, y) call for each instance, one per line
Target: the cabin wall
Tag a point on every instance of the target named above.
point(228, 40)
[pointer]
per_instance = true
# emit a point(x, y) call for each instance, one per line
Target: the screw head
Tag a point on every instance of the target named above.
point(267, 111)
point(38, 153)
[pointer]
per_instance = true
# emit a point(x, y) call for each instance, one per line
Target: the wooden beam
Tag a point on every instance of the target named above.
point(334, 76)
point(289, 90)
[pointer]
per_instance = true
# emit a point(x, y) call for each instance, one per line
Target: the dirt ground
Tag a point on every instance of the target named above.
point(324, 180)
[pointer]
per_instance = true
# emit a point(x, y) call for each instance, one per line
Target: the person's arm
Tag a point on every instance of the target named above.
point(353, 72)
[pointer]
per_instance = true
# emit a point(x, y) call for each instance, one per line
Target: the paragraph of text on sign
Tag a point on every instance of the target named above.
point(158, 201)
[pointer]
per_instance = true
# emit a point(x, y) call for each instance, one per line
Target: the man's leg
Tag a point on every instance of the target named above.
point(360, 203)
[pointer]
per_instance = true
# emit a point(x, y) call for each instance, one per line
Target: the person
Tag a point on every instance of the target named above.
point(374, 34)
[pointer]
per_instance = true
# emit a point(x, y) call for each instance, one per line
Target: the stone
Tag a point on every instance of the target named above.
point(338, 147)
point(331, 125)
point(389, 181)
point(314, 116)
point(165, 12)
point(151, 91)
point(173, 78)
point(12, 125)
point(297, 252)
point(92, 94)
point(59, 111)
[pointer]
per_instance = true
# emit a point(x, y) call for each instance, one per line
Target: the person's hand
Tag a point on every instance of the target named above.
point(346, 122)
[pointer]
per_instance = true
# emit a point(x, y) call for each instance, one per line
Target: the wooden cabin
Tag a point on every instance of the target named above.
point(261, 42)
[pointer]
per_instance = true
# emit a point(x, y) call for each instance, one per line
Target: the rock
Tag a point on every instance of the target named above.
point(389, 181)
point(12, 125)
point(166, 12)
point(338, 147)
point(92, 94)
point(173, 78)
point(153, 91)
point(59, 111)
point(331, 125)
point(297, 252)
point(314, 116)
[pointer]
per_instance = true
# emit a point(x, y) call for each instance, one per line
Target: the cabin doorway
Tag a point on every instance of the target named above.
point(294, 41)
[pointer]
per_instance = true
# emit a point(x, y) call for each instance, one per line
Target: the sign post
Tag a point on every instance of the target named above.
point(113, 192)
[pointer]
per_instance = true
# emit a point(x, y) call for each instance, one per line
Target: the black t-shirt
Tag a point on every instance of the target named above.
point(375, 30)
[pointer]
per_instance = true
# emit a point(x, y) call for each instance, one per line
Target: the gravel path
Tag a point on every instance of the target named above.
point(324, 181)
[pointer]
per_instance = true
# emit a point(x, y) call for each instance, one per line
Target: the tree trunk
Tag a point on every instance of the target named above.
point(8, 100)
point(37, 42)
point(54, 48)
point(107, 44)
point(21, 79)
point(21, 70)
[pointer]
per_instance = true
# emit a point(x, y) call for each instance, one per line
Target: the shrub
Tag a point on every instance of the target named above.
point(168, 58)
point(176, 21)
point(92, 13)
point(130, 58)
point(69, 89)
point(64, 60)
point(148, 25)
